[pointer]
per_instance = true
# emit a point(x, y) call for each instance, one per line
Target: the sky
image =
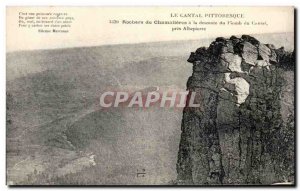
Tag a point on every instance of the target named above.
point(91, 25)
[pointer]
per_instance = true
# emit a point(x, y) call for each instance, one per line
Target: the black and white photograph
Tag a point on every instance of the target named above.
point(175, 96)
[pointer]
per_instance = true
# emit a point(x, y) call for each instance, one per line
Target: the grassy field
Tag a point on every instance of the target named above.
point(56, 133)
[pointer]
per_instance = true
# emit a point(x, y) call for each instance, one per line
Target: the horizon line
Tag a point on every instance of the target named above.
point(135, 43)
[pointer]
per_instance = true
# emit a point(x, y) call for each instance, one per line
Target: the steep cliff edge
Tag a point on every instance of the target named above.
point(243, 132)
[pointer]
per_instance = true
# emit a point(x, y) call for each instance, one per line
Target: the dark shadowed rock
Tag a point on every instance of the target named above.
point(250, 39)
point(239, 134)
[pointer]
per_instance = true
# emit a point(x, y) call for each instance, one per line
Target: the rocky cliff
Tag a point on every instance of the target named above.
point(243, 132)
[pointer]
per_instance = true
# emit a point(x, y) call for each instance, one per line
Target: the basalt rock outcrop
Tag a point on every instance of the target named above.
point(243, 131)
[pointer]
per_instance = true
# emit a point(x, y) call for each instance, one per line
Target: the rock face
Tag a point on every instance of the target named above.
point(243, 132)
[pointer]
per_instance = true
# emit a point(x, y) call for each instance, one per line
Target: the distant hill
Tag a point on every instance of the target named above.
point(52, 118)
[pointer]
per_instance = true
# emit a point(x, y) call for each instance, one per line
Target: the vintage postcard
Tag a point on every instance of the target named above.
point(175, 96)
